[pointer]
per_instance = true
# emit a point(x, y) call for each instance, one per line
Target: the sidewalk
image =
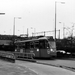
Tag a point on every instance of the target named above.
point(7, 68)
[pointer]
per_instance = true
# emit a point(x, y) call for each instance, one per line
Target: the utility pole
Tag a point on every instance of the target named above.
point(63, 31)
point(55, 21)
point(44, 33)
point(59, 33)
point(14, 24)
point(27, 32)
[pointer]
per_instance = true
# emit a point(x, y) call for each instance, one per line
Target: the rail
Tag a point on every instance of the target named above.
point(12, 56)
point(7, 56)
point(19, 55)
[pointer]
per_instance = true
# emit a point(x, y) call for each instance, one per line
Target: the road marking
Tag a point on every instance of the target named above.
point(29, 69)
point(33, 71)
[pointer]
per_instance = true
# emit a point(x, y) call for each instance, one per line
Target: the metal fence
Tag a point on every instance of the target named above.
point(19, 55)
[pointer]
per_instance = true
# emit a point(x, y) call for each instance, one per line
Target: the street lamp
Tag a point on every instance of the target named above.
point(14, 24)
point(55, 16)
point(2, 13)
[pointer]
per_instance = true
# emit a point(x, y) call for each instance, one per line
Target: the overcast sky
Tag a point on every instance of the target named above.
point(36, 15)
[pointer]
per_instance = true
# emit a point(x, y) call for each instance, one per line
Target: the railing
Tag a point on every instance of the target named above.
point(19, 55)
point(7, 56)
point(12, 56)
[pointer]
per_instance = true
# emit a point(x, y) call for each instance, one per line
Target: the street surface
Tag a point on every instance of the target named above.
point(59, 62)
point(7, 68)
point(30, 68)
point(41, 69)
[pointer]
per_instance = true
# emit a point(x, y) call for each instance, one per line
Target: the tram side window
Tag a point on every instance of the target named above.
point(31, 44)
point(46, 44)
point(27, 45)
point(23, 45)
point(36, 44)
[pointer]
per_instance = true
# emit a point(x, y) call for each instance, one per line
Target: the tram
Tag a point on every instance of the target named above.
point(43, 47)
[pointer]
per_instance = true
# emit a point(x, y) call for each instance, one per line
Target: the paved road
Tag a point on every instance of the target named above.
point(7, 68)
point(70, 63)
point(30, 68)
point(41, 69)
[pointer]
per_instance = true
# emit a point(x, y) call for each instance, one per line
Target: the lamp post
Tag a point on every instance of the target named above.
point(14, 24)
point(2, 14)
point(56, 15)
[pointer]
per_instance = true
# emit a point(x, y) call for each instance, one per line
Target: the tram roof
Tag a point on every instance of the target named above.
point(41, 38)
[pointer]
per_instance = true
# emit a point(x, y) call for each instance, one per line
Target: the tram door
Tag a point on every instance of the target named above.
point(36, 48)
point(44, 48)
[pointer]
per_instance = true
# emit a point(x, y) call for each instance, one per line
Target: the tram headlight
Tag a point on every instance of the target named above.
point(15, 50)
point(37, 50)
point(52, 50)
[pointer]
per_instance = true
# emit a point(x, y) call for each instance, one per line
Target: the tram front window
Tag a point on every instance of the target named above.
point(44, 44)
